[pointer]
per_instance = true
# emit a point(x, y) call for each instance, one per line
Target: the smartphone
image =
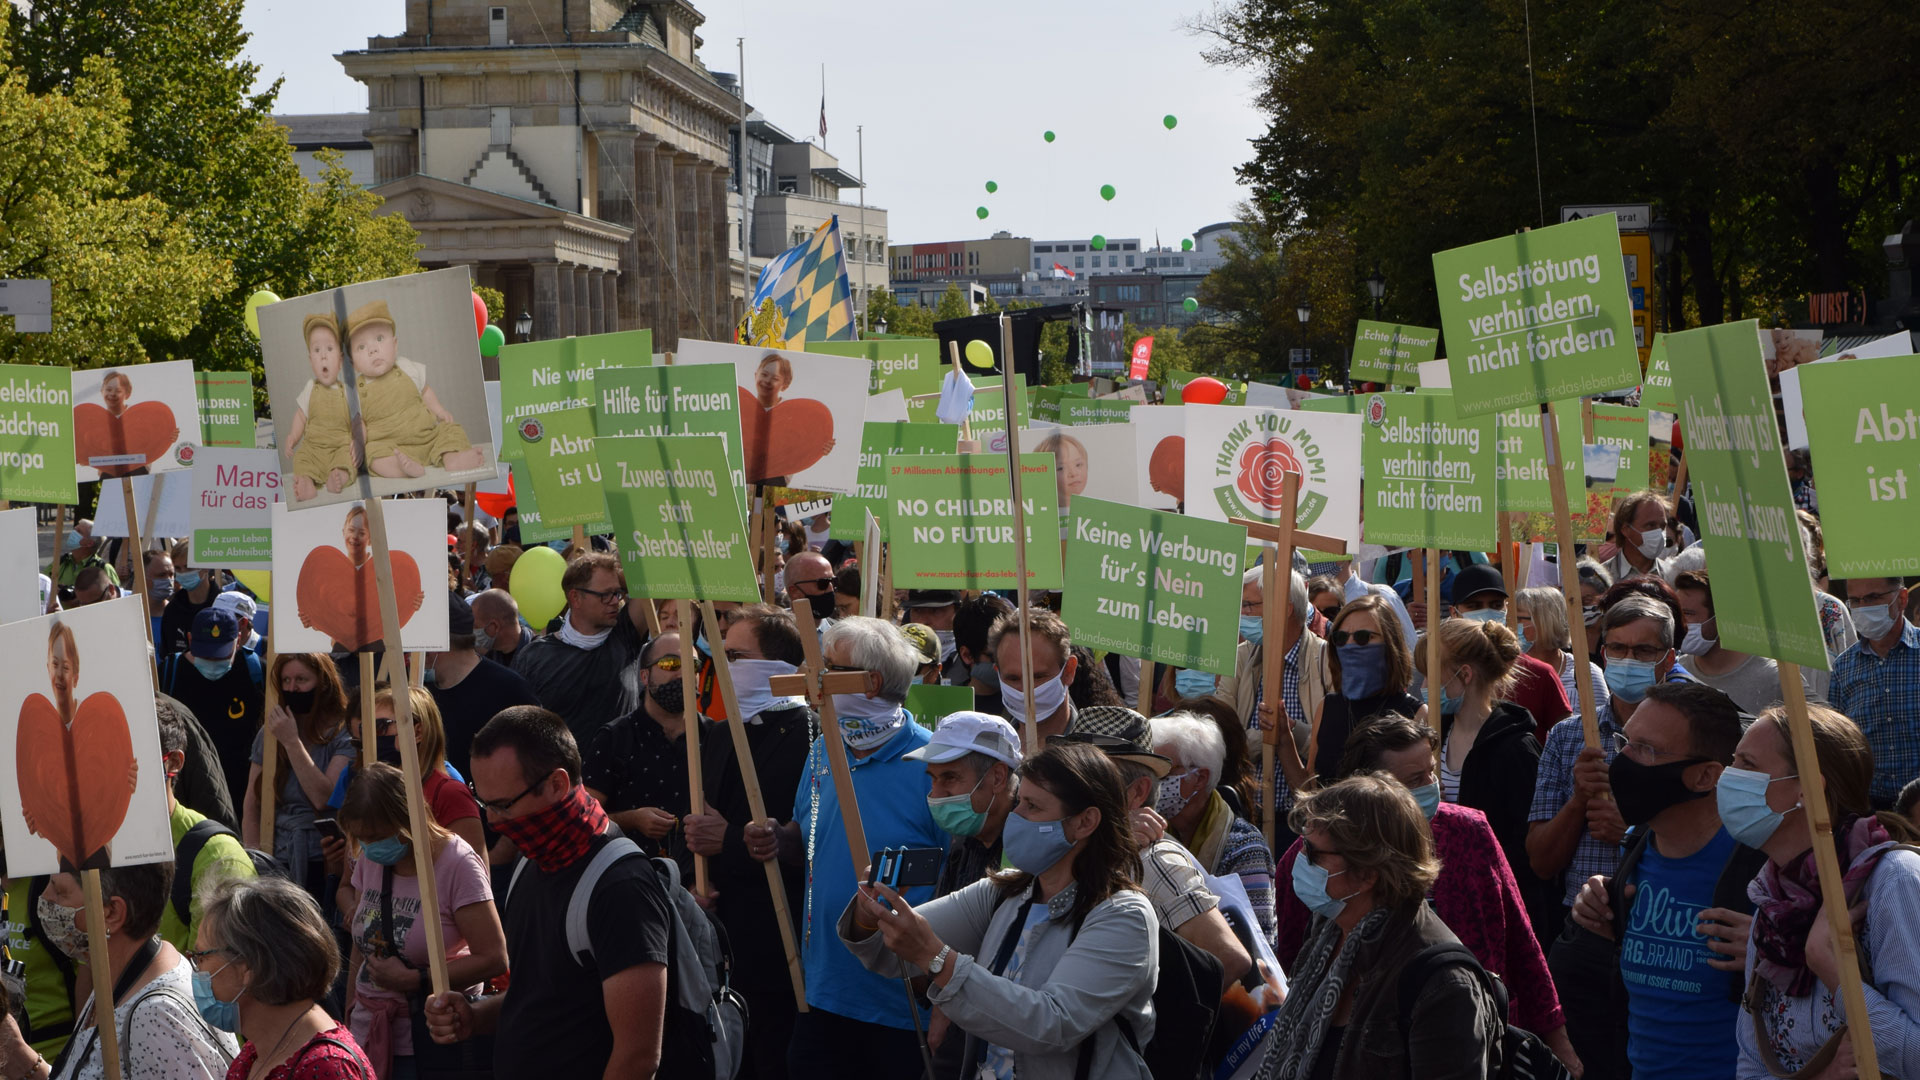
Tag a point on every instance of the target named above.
point(329, 827)
point(906, 868)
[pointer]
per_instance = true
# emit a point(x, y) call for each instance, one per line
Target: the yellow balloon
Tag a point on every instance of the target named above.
point(979, 354)
point(259, 582)
point(254, 303)
point(535, 585)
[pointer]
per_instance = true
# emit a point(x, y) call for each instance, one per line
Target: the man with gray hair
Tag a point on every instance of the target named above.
point(1304, 678)
point(1189, 799)
point(857, 1022)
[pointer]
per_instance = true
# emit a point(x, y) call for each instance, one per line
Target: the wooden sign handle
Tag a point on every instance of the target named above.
point(59, 541)
point(1509, 567)
point(269, 757)
point(756, 800)
point(1279, 570)
point(836, 746)
point(472, 491)
point(1813, 789)
point(1433, 634)
point(1145, 693)
point(1569, 575)
point(138, 558)
point(417, 819)
point(102, 968)
point(690, 713)
point(1032, 729)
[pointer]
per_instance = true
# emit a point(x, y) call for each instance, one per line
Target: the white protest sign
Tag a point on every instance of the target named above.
point(1900, 344)
point(20, 547)
point(161, 502)
point(232, 508)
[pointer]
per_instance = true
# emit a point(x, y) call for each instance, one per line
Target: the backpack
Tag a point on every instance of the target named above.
point(706, 1020)
point(1186, 1001)
point(189, 848)
point(1522, 1054)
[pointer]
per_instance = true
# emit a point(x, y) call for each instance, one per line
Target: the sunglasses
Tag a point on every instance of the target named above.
point(1330, 612)
point(1357, 637)
point(667, 663)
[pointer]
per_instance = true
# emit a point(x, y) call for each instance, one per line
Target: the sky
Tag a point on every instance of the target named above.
point(950, 96)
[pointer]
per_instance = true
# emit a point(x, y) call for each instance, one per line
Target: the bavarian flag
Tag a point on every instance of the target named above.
point(808, 286)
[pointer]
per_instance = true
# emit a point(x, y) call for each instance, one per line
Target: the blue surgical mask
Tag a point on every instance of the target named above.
point(224, 1015)
point(72, 541)
point(1190, 684)
point(1742, 798)
point(955, 813)
point(1629, 680)
point(1449, 703)
point(1428, 796)
point(189, 581)
point(1310, 886)
point(1034, 846)
point(1252, 627)
point(385, 852)
point(212, 670)
point(1526, 642)
point(1363, 670)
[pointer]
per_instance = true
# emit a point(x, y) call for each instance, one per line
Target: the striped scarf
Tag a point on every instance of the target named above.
point(1319, 979)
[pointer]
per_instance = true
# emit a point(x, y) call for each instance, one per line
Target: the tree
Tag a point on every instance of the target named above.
point(122, 267)
point(952, 305)
point(906, 321)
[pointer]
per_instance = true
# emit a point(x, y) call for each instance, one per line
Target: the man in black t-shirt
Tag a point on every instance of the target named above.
point(579, 670)
point(467, 688)
point(636, 766)
point(560, 1017)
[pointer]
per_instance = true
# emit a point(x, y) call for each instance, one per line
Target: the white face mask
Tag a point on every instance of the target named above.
point(750, 684)
point(1653, 542)
point(1047, 699)
point(1697, 643)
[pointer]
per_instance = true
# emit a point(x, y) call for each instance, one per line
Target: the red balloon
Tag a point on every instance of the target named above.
point(1305, 382)
point(1204, 391)
point(479, 315)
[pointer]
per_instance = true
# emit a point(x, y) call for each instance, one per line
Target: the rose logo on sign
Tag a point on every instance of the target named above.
point(1376, 410)
point(531, 429)
point(184, 454)
point(1263, 469)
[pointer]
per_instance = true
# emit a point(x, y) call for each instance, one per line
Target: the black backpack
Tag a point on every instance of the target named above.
point(188, 849)
point(1522, 1055)
point(1186, 1002)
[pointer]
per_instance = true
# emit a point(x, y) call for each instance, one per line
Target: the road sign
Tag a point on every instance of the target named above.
point(30, 302)
point(1633, 217)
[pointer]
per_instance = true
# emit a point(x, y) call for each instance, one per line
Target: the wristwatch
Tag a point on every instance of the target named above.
point(939, 960)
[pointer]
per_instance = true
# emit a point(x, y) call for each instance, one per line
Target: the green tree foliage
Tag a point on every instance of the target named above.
point(1775, 135)
point(952, 305)
point(909, 320)
point(201, 141)
point(122, 267)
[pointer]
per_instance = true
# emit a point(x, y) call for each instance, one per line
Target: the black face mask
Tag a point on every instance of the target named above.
point(298, 702)
point(387, 749)
point(822, 605)
point(1642, 791)
point(670, 695)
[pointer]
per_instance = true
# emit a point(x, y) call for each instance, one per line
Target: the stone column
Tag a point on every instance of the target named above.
point(691, 292)
point(620, 192)
point(546, 300)
point(703, 267)
point(585, 296)
point(665, 239)
point(564, 325)
point(596, 315)
point(610, 301)
point(717, 240)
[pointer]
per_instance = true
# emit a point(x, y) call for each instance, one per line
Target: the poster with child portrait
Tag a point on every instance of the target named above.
point(85, 789)
point(1096, 460)
point(134, 420)
point(334, 600)
point(377, 388)
point(801, 414)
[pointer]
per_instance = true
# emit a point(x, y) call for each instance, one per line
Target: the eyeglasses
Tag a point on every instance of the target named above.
point(1253, 607)
point(610, 596)
point(844, 667)
point(1872, 599)
point(501, 806)
point(1357, 637)
point(1644, 753)
point(1315, 854)
point(1646, 654)
point(197, 955)
point(667, 663)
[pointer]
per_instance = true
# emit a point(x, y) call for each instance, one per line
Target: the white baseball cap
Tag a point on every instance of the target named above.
point(237, 603)
point(963, 733)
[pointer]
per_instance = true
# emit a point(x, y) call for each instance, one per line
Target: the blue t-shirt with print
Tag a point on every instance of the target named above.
point(1679, 1018)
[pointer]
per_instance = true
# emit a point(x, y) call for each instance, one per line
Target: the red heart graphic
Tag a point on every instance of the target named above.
point(1167, 467)
point(146, 429)
point(342, 601)
point(792, 436)
point(47, 751)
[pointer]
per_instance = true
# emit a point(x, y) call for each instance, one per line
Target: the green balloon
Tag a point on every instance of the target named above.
point(1107, 192)
point(1047, 136)
point(1190, 304)
point(980, 212)
point(992, 187)
point(1186, 245)
point(1098, 243)
point(491, 339)
point(1171, 121)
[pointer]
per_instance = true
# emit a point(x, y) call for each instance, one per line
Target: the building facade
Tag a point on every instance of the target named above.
point(1120, 256)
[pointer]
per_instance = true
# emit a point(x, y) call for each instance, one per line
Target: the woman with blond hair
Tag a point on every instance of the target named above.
point(313, 748)
point(1540, 618)
point(1795, 1017)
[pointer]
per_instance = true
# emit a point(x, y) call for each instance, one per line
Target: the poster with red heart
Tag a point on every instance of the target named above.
point(85, 789)
point(801, 414)
point(327, 555)
point(134, 420)
point(377, 388)
point(1160, 457)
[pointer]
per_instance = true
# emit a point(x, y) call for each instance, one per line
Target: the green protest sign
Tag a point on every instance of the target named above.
point(532, 529)
point(1347, 404)
point(1429, 474)
point(1154, 584)
point(950, 521)
point(1762, 597)
point(1521, 470)
point(1537, 316)
point(1043, 402)
point(226, 408)
point(1176, 381)
point(36, 434)
point(541, 377)
point(676, 521)
point(878, 442)
point(912, 366)
point(1864, 432)
point(561, 467)
point(1391, 353)
point(1657, 391)
point(1085, 412)
point(1624, 429)
point(930, 703)
point(686, 399)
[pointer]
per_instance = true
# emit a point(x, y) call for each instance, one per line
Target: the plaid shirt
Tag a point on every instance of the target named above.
point(1883, 697)
point(1290, 700)
point(1553, 789)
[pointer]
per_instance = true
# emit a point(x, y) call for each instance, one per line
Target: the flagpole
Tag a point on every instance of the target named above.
point(823, 105)
point(860, 133)
point(746, 227)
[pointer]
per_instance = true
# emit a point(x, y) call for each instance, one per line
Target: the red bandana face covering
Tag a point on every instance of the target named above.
point(558, 836)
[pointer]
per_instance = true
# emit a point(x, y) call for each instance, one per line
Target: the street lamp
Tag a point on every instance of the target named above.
point(880, 326)
point(523, 326)
point(1377, 288)
point(1304, 311)
point(1662, 233)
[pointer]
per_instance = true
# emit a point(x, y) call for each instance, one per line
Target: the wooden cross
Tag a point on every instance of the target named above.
point(819, 685)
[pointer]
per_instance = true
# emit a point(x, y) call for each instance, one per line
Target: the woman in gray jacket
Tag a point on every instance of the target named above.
point(1048, 967)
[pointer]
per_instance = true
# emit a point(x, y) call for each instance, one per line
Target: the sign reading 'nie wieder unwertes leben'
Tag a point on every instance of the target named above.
point(1538, 316)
